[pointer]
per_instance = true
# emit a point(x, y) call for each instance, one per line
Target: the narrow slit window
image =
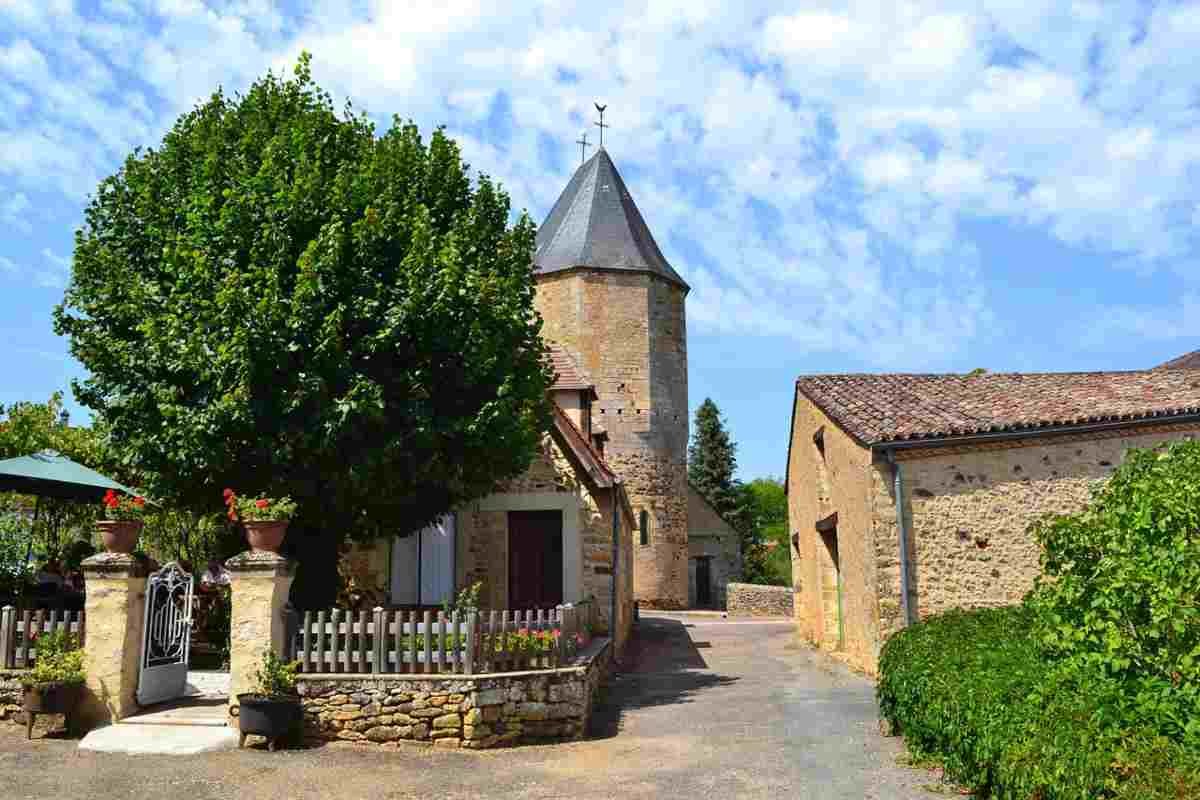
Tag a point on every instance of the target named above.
point(644, 526)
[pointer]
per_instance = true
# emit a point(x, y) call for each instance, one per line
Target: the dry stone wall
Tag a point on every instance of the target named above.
point(753, 600)
point(472, 712)
point(10, 696)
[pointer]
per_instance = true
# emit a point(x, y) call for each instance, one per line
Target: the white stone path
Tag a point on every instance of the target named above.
point(196, 723)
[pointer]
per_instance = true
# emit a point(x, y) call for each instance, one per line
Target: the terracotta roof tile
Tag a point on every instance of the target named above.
point(885, 408)
point(567, 374)
point(1186, 361)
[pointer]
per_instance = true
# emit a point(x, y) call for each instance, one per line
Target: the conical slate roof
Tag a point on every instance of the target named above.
point(596, 224)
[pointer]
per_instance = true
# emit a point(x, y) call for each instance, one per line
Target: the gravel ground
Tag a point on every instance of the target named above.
point(707, 709)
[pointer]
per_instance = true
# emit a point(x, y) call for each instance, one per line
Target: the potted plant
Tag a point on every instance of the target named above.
point(274, 711)
point(55, 683)
point(265, 519)
point(122, 521)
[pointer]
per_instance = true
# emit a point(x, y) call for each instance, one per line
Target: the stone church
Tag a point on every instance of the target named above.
point(603, 514)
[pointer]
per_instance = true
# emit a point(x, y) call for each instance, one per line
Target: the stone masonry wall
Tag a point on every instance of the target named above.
point(10, 696)
point(970, 511)
point(841, 480)
point(967, 510)
point(709, 536)
point(473, 712)
point(752, 600)
point(629, 331)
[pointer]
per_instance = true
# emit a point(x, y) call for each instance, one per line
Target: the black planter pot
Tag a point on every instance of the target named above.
point(49, 698)
point(273, 716)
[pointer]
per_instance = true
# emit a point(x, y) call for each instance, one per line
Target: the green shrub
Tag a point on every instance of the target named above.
point(971, 690)
point(276, 677)
point(59, 659)
point(1121, 593)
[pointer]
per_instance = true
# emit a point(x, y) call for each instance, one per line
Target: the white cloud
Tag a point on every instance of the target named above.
point(12, 211)
point(808, 171)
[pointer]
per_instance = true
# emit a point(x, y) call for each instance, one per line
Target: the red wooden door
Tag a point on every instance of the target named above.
point(535, 559)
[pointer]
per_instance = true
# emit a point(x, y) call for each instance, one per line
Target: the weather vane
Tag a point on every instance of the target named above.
point(583, 146)
point(601, 124)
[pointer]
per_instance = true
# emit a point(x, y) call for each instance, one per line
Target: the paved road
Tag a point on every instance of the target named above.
point(709, 710)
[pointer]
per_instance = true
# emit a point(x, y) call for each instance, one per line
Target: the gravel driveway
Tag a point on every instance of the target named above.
point(709, 709)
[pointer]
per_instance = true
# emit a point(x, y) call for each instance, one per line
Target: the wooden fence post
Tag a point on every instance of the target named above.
point(378, 641)
point(472, 637)
point(8, 636)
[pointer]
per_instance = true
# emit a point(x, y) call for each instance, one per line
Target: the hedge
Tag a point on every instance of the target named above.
point(972, 690)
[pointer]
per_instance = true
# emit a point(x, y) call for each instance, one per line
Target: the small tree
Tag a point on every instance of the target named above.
point(768, 552)
point(712, 461)
point(1121, 592)
point(279, 302)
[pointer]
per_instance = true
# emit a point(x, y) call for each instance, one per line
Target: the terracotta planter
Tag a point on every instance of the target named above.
point(120, 535)
point(265, 536)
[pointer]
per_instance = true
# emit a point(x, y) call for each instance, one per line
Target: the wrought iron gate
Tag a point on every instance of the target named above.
point(166, 636)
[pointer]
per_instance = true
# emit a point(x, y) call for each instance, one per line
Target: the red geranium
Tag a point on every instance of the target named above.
point(262, 502)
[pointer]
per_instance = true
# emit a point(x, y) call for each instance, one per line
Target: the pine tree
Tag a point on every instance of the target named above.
point(712, 460)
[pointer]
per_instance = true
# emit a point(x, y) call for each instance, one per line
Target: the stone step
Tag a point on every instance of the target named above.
point(211, 713)
point(160, 739)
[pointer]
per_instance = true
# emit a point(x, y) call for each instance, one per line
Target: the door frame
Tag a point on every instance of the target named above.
point(569, 504)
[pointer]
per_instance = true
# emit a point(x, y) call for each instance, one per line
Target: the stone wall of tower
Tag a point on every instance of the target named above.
point(630, 332)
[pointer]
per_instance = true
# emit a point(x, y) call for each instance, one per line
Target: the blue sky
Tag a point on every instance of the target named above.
point(847, 186)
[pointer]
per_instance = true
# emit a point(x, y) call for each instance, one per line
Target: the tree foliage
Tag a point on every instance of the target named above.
point(28, 428)
point(1121, 588)
point(767, 558)
point(712, 461)
point(278, 301)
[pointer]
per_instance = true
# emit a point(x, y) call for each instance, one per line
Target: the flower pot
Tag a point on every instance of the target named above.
point(272, 716)
point(120, 535)
point(48, 698)
point(265, 536)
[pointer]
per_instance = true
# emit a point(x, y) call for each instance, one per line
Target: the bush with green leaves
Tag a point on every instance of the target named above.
point(276, 677)
point(1121, 588)
point(59, 659)
point(972, 691)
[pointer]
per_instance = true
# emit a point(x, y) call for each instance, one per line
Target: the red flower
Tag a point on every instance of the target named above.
point(139, 501)
point(110, 499)
point(261, 503)
point(228, 493)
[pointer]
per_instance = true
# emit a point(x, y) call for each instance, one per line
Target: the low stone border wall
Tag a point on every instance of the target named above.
point(10, 696)
point(753, 600)
point(471, 711)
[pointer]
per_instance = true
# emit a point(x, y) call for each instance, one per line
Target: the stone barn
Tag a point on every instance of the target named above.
point(912, 494)
point(714, 553)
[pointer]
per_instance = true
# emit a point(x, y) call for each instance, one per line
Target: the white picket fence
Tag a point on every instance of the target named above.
point(426, 642)
point(19, 629)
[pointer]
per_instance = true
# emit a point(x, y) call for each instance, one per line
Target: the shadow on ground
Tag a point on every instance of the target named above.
point(663, 666)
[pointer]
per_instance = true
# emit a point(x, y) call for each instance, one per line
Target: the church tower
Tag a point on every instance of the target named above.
point(609, 296)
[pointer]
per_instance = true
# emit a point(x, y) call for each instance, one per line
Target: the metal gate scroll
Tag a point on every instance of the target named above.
point(166, 636)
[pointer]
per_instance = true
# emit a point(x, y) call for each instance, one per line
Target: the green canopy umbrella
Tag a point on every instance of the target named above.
point(51, 474)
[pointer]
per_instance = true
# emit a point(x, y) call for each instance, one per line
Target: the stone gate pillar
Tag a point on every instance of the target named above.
point(259, 615)
point(112, 638)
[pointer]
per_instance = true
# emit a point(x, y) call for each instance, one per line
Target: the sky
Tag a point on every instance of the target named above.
point(846, 186)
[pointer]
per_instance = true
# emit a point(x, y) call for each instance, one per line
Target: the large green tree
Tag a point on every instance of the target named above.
point(278, 301)
point(767, 555)
point(712, 460)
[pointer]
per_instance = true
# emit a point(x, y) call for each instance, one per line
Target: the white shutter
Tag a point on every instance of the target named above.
point(404, 570)
point(437, 562)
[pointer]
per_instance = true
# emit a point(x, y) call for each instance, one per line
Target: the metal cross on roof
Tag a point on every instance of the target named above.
point(601, 124)
point(583, 146)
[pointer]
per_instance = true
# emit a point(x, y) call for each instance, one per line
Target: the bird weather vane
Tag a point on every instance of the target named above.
point(583, 146)
point(601, 124)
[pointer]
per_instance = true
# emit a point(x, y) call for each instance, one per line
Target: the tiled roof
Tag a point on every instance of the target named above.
point(1186, 361)
point(876, 409)
point(582, 451)
point(595, 223)
point(567, 374)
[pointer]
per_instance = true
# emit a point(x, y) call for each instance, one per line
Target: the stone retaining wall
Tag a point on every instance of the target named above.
point(10, 696)
point(471, 711)
point(748, 599)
